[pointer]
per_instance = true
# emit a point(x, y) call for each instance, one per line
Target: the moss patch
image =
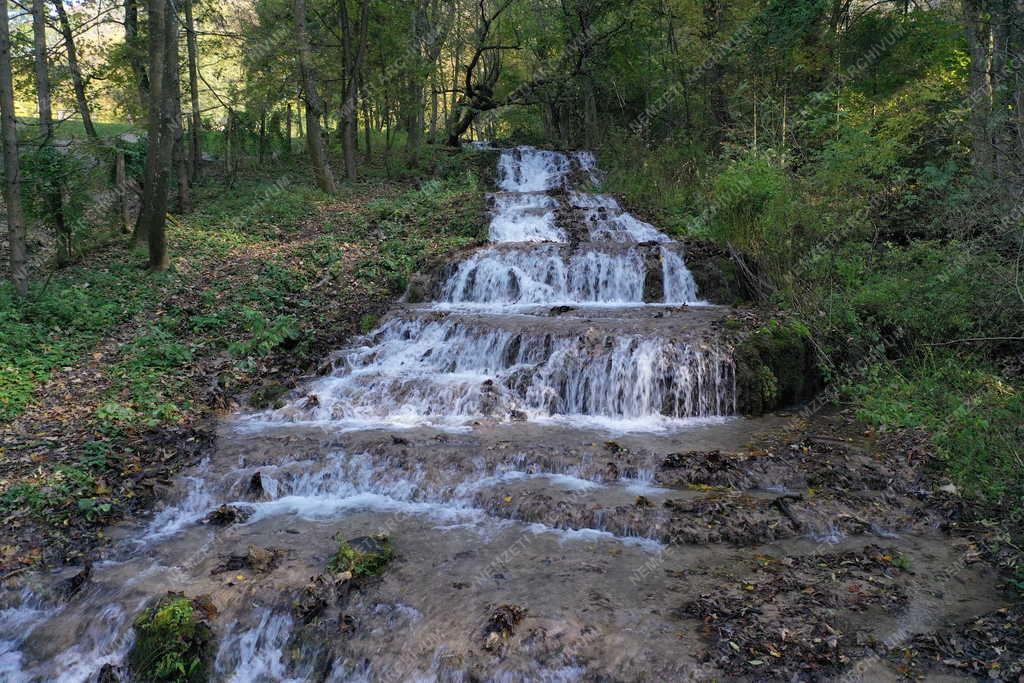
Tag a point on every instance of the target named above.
point(363, 556)
point(173, 642)
point(775, 366)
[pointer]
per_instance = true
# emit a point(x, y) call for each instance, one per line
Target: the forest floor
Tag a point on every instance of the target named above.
point(113, 376)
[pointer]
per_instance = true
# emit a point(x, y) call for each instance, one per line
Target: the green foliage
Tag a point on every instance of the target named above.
point(61, 319)
point(368, 322)
point(58, 496)
point(975, 417)
point(55, 186)
point(370, 561)
point(265, 334)
point(172, 643)
point(441, 215)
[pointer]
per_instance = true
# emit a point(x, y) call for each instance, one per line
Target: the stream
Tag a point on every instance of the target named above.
point(508, 435)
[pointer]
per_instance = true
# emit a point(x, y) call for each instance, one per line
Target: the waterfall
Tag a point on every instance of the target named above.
point(680, 286)
point(488, 347)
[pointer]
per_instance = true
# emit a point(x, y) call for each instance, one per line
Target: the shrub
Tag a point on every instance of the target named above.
point(172, 643)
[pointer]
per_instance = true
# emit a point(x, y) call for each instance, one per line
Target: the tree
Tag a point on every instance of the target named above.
point(353, 69)
point(41, 70)
point(314, 105)
point(151, 228)
point(75, 68)
point(482, 72)
point(54, 199)
point(193, 87)
point(136, 51)
point(12, 176)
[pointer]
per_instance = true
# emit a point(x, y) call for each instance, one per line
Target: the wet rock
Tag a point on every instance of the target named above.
point(312, 600)
point(419, 289)
point(226, 515)
point(399, 441)
point(312, 401)
point(69, 586)
point(110, 674)
point(269, 395)
point(517, 416)
point(501, 624)
point(173, 641)
point(654, 278)
point(256, 489)
point(778, 615)
point(561, 310)
point(256, 558)
point(261, 559)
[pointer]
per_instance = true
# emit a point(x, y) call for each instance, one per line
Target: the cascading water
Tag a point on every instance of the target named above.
point(571, 319)
point(487, 348)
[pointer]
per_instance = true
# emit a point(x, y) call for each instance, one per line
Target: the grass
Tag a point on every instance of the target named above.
point(975, 417)
point(265, 276)
point(74, 129)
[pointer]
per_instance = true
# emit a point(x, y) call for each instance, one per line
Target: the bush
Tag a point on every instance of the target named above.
point(975, 417)
point(172, 643)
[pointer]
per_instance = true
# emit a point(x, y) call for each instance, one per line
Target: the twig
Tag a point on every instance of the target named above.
point(975, 339)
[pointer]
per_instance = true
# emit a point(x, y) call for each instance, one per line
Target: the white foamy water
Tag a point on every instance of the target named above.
point(527, 169)
point(525, 218)
point(422, 368)
point(546, 274)
point(680, 287)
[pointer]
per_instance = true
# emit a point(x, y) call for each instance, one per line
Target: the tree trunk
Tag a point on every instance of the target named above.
point(314, 107)
point(414, 90)
point(42, 74)
point(980, 96)
point(75, 69)
point(354, 67)
point(229, 129)
point(288, 131)
point(367, 127)
point(55, 200)
point(151, 226)
point(181, 166)
point(135, 55)
point(121, 182)
point(261, 148)
point(713, 25)
point(12, 173)
point(196, 125)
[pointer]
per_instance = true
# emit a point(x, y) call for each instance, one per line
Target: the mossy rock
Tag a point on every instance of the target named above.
point(173, 642)
point(364, 556)
point(775, 367)
point(269, 395)
point(718, 280)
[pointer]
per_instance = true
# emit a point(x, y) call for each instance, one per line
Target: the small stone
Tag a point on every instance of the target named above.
point(226, 515)
point(261, 559)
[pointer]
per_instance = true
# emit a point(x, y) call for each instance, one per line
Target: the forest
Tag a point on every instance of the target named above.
point(555, 339)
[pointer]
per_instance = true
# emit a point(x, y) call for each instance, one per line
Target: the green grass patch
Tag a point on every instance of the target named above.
point(363, 556)
point(975, 417)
